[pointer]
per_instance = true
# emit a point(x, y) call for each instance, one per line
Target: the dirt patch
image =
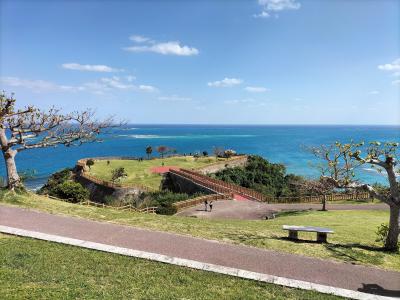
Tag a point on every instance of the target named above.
point(163, 169)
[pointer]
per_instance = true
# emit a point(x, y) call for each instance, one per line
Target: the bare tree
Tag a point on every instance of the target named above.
point(321, 187)
point(31, 128)
point(339, 164)
point(162, 150)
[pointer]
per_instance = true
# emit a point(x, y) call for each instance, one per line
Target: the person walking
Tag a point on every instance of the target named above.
point(205, 205)
point(211, 205)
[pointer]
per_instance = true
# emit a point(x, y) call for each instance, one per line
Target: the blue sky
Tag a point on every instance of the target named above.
point(242, 62)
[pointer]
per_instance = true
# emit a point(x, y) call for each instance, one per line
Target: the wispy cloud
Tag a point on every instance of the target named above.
point(226, 82)
point(99, 86)
point(35, 85)
point(274, 6)
point(396, 82)
point(174, 98)
point(140, 39)
point(238, 101)
point(147, 88)
point(374, 92)
point(164, 48)
point(89, 68)
point(256, 89)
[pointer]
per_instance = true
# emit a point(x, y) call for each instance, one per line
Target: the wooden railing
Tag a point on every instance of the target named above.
point(220, 186)
point(150, 210)
point(223, 187)
point(198, 200)
point(129, 207)
point(319, 198)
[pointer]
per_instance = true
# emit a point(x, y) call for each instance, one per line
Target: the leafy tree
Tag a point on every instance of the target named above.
point(263, 176)
point(149, 150)
point(205, 153)
point(32, 128)
point(339, 162)
point(118, 173)
point(90, 162)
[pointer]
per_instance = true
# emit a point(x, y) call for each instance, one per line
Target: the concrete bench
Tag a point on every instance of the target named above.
point(322, 233)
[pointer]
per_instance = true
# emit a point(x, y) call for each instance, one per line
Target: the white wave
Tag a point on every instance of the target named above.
point(154, 136)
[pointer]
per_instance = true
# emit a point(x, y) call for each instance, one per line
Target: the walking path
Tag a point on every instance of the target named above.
point(242, 261)
point(254, 210)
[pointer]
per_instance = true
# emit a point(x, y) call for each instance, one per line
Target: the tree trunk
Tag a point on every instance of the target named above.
point(392, 239)
point(13, 178)
point(324, 203)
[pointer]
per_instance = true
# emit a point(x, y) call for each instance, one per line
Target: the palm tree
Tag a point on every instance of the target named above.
point(149, 150)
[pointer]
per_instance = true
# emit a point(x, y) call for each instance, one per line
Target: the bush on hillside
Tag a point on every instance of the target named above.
point(261, 175)
point(72, 191)
point(54, 180)
point(60, 185)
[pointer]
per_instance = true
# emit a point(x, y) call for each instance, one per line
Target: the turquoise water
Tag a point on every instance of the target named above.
point(283, 144)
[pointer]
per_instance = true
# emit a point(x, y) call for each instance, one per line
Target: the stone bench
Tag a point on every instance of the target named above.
point(322, 233)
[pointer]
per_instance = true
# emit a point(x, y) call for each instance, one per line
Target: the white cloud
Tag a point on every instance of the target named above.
point(273, 6)
point(167, 48)
point(226, 82)
point(256, 89)
point(147, 88)
point(90, 68)
point(374, 92)
point(394, 66)
point(140, 39)
point(174, 98)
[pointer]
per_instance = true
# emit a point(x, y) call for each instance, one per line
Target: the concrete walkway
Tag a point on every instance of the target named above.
point(253, 210)
point(340, 275)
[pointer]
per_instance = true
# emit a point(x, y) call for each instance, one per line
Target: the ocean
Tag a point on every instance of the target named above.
point(280, 144)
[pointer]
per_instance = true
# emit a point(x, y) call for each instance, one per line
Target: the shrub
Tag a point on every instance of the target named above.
point(118, 173)
point(54, 180)
point(382, 233)
point(90, 163)
point(72, 191)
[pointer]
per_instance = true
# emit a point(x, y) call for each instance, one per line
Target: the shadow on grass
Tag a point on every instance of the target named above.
point(353, 253)
point(289, 213)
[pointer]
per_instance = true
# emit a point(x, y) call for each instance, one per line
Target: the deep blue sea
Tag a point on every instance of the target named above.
point(283, 144)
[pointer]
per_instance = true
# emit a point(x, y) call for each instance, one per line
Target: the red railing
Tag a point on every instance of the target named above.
point(219, 186)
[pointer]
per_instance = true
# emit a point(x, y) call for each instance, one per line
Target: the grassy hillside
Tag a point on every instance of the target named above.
point(32, 269)
point(139, 172)
point(353, 241)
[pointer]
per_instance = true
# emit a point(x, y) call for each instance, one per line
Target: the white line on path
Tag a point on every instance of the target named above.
point(293, 283)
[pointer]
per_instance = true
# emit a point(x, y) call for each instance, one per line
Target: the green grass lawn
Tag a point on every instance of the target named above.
point(33, 269)
point(139, 172)
point(353, 241)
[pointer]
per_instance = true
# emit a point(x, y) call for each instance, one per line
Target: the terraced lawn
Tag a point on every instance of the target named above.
point(353, 241)
point(139, 172)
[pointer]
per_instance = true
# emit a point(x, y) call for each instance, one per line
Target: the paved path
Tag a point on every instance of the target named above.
point(346, 276)
point(253, 210)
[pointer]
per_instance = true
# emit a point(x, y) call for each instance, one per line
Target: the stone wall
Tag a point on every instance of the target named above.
point(180, 184)
point(99, 192)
